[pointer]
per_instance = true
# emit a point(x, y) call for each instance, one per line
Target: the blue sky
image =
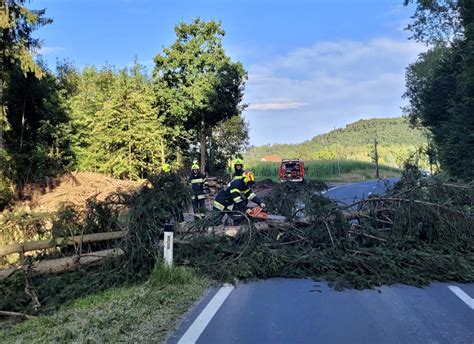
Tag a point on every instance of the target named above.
point(313, 65)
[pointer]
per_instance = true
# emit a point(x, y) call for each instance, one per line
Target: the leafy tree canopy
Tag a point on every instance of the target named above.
point(197, 85)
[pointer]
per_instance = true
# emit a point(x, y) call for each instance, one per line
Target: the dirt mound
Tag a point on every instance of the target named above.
point(264, 187)
point(264, 184)
point(73, 188)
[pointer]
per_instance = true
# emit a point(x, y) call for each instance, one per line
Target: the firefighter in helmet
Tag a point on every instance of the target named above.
point(238, 169)
point(234, 197)
point(197, 180)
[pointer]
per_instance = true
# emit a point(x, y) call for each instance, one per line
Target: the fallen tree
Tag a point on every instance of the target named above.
point(420, 231)
point(54, 242)
point(51, 266)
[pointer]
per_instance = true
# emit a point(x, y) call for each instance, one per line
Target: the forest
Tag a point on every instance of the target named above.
point(124, 122)
point(397, 141)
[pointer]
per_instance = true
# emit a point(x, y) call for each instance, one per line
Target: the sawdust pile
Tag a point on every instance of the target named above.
point(73, 188)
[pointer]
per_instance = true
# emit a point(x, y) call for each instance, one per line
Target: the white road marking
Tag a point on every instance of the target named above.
point(336, 187)
point(201, 322)
point(462, 295)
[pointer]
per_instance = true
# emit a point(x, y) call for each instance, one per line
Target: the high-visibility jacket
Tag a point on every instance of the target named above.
point(237, 192)
point(197, 183)
point(238, 174)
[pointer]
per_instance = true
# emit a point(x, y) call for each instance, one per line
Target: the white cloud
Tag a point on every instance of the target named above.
point(50, 50)
point(281, 105)
point(327, 84)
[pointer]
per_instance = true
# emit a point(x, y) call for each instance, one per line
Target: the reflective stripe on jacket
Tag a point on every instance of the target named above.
point(238, 175)
point(237, 192)
point(197, 183)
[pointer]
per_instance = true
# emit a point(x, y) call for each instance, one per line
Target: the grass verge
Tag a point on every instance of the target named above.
point(353, 176)
point(328, 170)
point(145, 312)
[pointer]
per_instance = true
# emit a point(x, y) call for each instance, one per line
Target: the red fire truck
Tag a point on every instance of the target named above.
point(291, 170)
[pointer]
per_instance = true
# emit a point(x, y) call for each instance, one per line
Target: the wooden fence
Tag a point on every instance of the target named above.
point(61, 264)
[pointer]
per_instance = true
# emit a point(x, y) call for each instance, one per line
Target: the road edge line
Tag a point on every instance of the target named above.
point(469, 301)
point(200, 323)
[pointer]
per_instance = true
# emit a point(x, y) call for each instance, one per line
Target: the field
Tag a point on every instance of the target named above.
point(345, 170)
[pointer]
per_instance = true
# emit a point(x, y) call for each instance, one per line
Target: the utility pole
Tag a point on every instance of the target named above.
point(2, 111)
point(203, 147)
point(376, 159)
point(337, 156)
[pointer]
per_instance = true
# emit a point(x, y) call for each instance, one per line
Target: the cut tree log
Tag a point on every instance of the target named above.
point(64, 264)
point(43, 244)
point(17, 315)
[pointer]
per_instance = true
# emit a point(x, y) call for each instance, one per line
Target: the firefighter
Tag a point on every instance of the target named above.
point(238, 169)
point(234, 198)
point(197, 180)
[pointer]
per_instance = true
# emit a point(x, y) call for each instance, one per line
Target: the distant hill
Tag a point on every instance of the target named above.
point(396, 139)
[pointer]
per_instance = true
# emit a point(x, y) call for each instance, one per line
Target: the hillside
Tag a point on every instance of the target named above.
point(397, 140)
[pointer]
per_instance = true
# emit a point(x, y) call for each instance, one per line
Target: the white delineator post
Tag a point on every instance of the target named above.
point(168, 244)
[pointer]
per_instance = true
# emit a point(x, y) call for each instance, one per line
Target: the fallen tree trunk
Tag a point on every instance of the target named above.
point(17, 315)
point(64, 264)
point(75, 240)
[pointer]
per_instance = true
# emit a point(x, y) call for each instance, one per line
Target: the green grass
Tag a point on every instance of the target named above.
point(330, 170)
point(145, 312)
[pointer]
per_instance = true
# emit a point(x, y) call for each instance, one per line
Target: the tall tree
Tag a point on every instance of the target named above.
point(117, 130)
point(39, 137)
point(197, 84)
point(132, 133)
point(440, 86)
point(228, 139)
point(435, 21)
point(17, 45)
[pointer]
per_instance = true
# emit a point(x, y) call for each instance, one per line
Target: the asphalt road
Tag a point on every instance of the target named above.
point(349, 193)
point(303, 311)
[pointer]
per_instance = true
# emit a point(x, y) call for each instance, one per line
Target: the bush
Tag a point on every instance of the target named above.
point(6, 194)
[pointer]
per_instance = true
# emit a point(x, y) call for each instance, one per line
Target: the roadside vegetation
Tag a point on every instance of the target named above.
point(328, 170)
point(137, 313)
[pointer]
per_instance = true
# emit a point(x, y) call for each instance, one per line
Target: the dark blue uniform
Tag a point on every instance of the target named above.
point(238, 174)
point(197, 183)
point(234, 197)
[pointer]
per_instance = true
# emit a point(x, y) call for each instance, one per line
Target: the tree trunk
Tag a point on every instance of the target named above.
point(22, 123)
point(28, 246)
point(211, 152)
point(179, 158)
point(203, 147)
point(66, 263)
point(162, 150)
point(2, 112)
point(376, 158)
point(129, 143)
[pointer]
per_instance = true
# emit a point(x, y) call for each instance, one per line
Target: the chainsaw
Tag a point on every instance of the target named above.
point(261, 214)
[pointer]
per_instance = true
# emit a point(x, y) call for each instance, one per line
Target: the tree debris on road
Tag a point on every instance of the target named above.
point(420, 231)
